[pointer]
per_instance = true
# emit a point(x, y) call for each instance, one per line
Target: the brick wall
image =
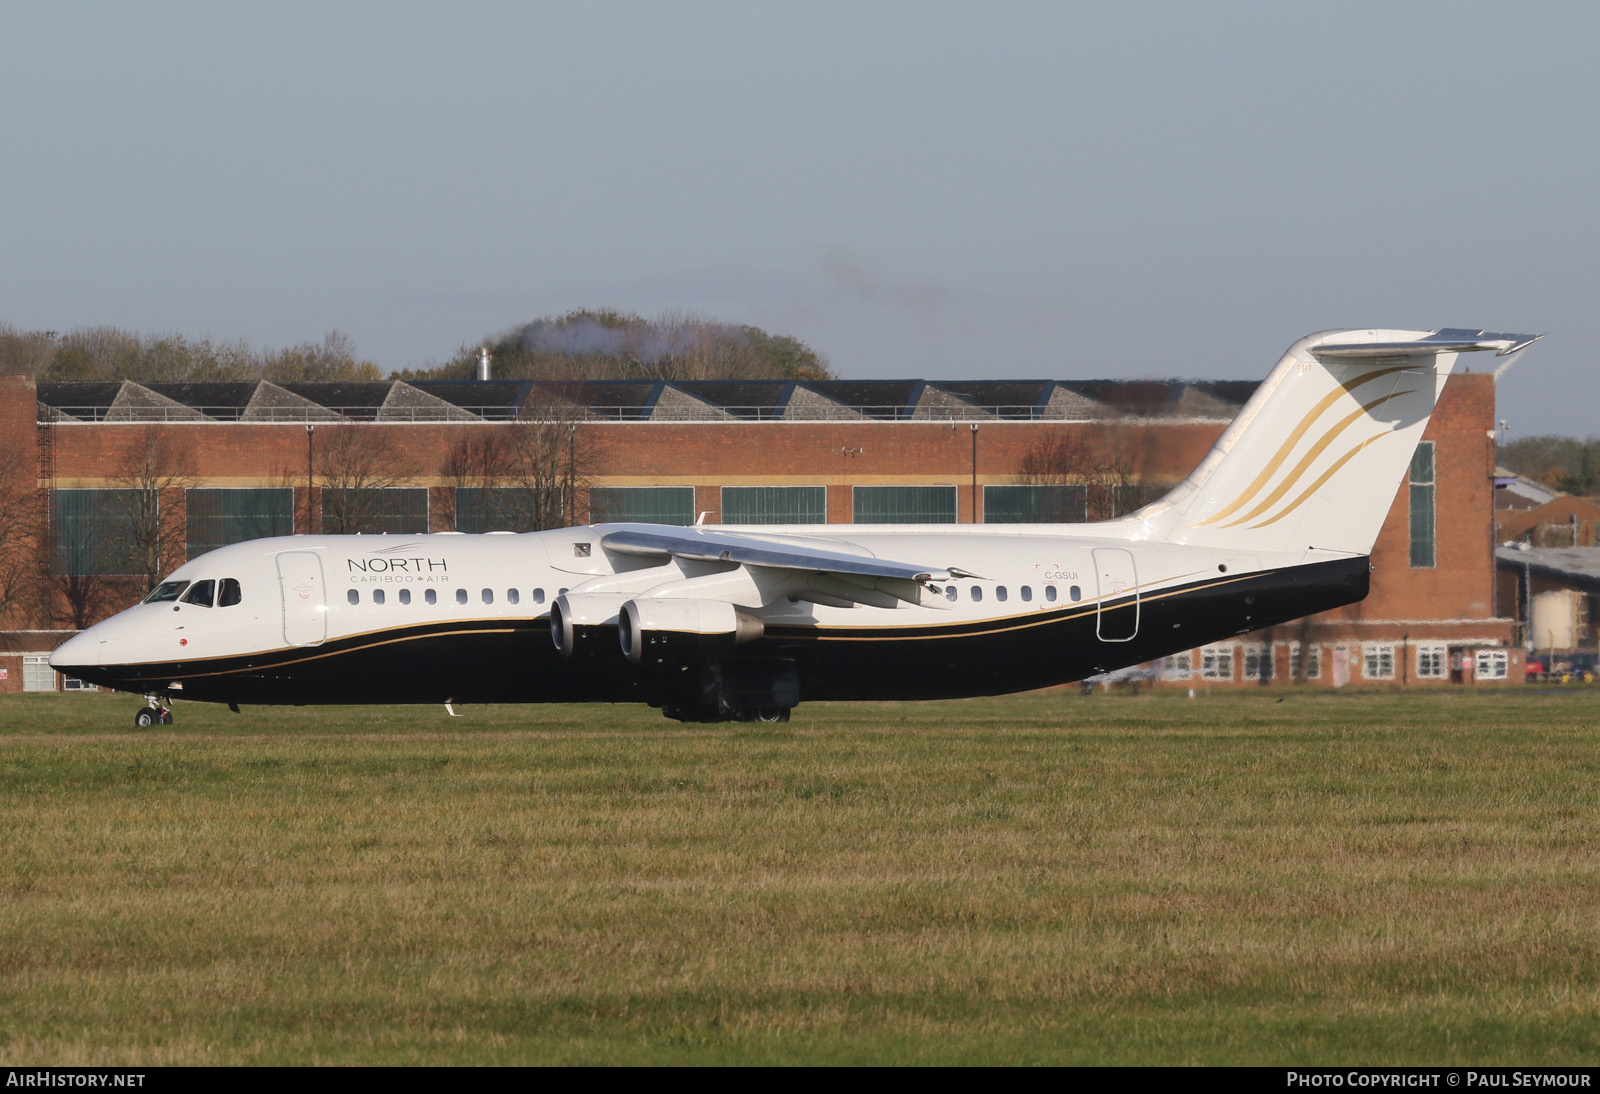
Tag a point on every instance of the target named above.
point(842, 454)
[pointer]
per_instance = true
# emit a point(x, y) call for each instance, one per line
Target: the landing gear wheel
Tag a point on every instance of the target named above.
point(152, 714)
point(773, 714)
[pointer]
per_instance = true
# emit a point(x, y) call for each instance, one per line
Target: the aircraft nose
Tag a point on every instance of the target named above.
point(77, 651)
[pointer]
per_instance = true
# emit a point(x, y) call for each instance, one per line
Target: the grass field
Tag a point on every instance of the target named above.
point(1329, 878)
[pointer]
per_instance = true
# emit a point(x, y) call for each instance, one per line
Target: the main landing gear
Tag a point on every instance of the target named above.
point(152, 714)
point(715, 714)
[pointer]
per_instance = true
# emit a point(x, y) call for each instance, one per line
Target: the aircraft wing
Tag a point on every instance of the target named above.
point(658, 541)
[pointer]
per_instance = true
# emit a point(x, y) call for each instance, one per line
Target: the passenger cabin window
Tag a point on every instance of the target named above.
point(405, 596)
point(1027, 593)
point(538, 596)
point(167, 590)
point(512, 596)
point(949, 592)
point(377, 596)
point(230, 593)
point(461, 596)
point(1075, 593)
point(977, 594)
point(430, 595)
point(999, 592)
point(488, 596)
point(1050, 593)
point(352, 597)
point(201, 593)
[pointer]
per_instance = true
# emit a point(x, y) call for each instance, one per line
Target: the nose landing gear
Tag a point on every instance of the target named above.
point(153, 713)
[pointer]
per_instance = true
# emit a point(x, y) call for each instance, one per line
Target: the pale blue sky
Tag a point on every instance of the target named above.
point(934, 190)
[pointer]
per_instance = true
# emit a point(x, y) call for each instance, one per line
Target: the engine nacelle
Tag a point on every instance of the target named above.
point(580, 626)
point(681, 632)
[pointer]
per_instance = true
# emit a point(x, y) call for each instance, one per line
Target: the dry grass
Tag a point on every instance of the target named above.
point(1332, 878)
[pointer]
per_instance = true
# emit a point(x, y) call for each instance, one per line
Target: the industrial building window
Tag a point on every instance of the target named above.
point(1178, 666)
point(1048, 504)
point(905, 505)
point(774, 505)
point(1378, 662)
point(216, 518)
point(37, 675)
point(399, 510)
point(644, 504)
point(1216, 663)
point(1492, 665)
point(498, 509)
point(1422, 506)
point(1131, 496)
point(1313, 662)
point(1433, 662)
point(94, 531)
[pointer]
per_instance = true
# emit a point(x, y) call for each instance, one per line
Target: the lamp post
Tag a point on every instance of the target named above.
point(974, 472)
point(572, 429)
point(311, 511)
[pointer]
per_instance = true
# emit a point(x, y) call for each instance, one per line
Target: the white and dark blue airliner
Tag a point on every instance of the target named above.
point(724, 622)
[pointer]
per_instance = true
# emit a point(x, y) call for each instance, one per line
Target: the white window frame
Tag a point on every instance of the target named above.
point(1432, 661)
point(1492, 664)
point(1373, 656)
point(33, 675)
point(1213, 659)
point(1314, 669)
point(1253, 653)
point(1178, 666)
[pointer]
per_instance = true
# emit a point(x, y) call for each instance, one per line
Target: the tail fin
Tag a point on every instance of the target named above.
point(1313, 460)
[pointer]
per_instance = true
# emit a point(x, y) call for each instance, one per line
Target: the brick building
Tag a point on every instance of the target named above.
point(132, 479)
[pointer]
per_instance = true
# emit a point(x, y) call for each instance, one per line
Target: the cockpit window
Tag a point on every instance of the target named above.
point(201, 593)
point(229, 594)
point(167, 590)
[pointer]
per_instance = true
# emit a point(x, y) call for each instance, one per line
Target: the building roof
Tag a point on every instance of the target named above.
point(1578, 567)
point(637, 400)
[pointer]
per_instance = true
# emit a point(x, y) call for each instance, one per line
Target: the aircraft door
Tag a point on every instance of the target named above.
point(305, 605)
point(1116, 578)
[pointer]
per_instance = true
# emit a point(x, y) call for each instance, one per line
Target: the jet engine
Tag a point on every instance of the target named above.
point(580, 626)
point(654, 632)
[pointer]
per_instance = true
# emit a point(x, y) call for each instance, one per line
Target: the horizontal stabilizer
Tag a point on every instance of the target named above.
point(1446, 339)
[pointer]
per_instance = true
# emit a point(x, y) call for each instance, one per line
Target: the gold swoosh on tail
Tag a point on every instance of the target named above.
point(1311, 454)
point(1322, 478)
point(1299, 431)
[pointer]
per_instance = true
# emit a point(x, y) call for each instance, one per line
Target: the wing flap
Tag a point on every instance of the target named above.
point(657, 541)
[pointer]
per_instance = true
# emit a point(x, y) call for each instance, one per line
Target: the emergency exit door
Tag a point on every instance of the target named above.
point(1117, 612)
point(305, 607)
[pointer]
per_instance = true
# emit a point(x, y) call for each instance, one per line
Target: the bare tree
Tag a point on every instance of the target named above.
point(1109, 465)
point(356, 464)
point(149, 489)
point(532, 472)
point(21, 525)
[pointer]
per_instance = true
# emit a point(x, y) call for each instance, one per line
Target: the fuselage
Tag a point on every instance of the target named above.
point(466, 618)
